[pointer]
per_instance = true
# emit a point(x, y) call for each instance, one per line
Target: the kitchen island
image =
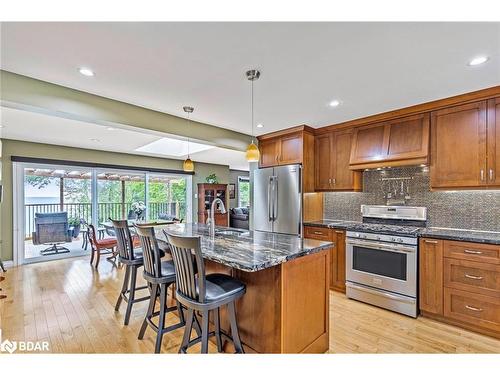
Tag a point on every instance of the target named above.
point(286, 306)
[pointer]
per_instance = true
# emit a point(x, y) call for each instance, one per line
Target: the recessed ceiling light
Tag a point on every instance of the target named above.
point(86, 72)
point(110, 128)
point(1, 126)
point(95, 140)
point(334, 103)
point(478, 60)
point(260, 125)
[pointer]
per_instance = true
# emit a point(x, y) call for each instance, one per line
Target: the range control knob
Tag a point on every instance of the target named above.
point(400, 240)
point(393, 239)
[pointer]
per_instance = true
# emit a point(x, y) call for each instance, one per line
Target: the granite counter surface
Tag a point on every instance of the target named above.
point(431, 232)
point(246, 250)
point(462, 235)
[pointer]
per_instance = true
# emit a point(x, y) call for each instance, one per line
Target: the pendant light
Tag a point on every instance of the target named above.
point(253, 154)
point(188, 165)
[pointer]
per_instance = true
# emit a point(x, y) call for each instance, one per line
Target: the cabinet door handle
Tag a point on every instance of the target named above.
point(473, 277)
point(473, 308)
point(467, 251)
point(430, 241)
point(482, 174)
point(316, 232)
point(491, 174)
point(339, 231)
point(333, 180)
point(330, 181)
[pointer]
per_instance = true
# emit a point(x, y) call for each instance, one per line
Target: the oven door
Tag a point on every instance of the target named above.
point(392, 267)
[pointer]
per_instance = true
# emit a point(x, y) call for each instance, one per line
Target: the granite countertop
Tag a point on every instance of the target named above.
point(462, 235)
point(433, 232)
point(246, 250)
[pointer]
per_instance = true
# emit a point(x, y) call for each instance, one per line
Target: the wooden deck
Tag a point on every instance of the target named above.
point(70, 304)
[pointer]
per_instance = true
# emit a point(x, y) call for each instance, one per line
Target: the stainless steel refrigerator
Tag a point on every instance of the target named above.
point(277, 197)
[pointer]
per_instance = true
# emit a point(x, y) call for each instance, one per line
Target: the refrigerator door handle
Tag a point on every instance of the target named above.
point(269, 197)
point(275, 206)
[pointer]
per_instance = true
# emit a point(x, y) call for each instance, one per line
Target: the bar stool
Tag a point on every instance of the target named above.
point(203, 293)
point(159, 275)
point(132, 258)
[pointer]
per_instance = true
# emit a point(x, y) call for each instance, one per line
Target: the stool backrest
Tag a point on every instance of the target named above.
point(186, 254)
point(124, 239)
point(150, 250)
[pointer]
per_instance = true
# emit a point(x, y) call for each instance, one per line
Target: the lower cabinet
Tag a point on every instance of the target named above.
point(460, 283)
point(431, 275)
point(337, 253)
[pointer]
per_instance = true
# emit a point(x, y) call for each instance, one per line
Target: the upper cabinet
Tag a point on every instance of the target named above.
point(466, 146)
point(399, 142)
point(293, 146)
point(459, 147)
point(493, 138)
point(332, 153)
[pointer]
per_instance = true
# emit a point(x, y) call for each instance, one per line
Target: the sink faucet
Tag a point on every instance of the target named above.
point(212, 214)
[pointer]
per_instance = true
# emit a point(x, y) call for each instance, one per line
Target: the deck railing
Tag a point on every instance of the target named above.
point(105, 211)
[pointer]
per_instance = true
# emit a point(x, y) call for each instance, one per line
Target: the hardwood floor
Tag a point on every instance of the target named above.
point(71, 305)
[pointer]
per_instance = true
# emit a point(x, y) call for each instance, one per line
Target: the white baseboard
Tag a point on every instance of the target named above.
point(8, 264)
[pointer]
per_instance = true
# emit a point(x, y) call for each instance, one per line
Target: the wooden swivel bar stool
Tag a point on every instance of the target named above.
point(203, 293)
point(159, 275)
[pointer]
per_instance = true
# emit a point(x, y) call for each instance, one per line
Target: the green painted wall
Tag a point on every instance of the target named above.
point(27, 149)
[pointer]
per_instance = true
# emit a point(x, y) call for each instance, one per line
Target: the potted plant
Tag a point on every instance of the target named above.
point(212, 179)
point(75, 224)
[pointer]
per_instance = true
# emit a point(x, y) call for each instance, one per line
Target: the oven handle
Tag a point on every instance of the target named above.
point(377, 293)
point(370, 245)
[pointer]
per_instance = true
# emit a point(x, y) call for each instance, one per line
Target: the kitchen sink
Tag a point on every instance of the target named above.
point(230, 232)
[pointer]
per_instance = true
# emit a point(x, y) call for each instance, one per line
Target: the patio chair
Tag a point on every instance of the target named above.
point(52, 229)
point(104, 246)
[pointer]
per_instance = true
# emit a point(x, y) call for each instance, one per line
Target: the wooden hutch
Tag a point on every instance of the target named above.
point(206, 194)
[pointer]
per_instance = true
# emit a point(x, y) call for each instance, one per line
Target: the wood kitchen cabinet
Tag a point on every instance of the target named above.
point(398, 142)
point(269, 153)
point(281, 150)
point(337, 253)
point(459, 146)
point(293, 146)
point(332, 153)
point(493, 142)
point(431, 275)
point(460, 283)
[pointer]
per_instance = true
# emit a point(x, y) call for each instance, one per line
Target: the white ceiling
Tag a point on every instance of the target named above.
point(42, 128)
point(369, 67)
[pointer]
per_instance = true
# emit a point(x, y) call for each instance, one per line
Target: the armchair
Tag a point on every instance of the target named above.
point(52, 229)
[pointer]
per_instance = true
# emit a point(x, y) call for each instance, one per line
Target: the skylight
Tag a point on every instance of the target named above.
point(173, 147)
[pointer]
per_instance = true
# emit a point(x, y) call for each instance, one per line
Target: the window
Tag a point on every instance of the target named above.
point(243, 191)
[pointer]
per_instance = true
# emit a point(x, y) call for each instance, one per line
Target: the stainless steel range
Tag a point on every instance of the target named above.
point(382, 257)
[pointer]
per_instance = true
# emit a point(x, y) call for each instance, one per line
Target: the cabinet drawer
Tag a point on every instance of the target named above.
point(472, 251)
point(476, 309)
point(318, 233)
point(474, 277)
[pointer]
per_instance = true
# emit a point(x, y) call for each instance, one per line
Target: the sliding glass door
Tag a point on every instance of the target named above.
point(54, 204)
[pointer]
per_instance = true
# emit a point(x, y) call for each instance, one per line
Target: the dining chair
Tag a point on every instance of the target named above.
point(98, 246)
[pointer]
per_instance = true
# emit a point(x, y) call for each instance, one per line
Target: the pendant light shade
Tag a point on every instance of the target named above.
point(188, 165)
point(253, 154)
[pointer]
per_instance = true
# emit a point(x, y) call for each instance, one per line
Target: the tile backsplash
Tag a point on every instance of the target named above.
point(469, 209)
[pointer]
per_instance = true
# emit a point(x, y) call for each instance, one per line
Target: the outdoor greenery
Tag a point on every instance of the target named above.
point(243, 193)
point(78, 190)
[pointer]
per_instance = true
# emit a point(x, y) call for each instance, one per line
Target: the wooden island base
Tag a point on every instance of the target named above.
point(285, 308)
